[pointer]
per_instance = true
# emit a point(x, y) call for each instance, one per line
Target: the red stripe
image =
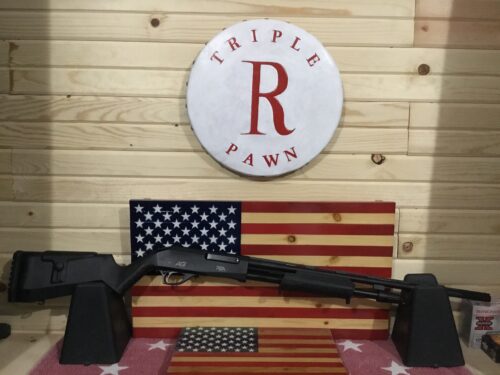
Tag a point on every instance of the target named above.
point(260, 312)
point(243, 355)
point(327, 207)
point(295, 337)
point(257, 364)
point(355, 229)
point(168, 333)
point(235, 291)
point(382, 251)
point(298, 346)
point(361, 334)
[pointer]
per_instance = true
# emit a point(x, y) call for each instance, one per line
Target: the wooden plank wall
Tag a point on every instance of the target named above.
point(92, 113)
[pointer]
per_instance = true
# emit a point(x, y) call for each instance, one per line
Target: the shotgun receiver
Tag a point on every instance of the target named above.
point(37, 276)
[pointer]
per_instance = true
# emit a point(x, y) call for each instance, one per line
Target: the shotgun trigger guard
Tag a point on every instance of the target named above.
point(176, 278)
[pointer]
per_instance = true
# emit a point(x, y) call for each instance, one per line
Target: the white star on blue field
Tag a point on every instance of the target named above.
point(208, 226)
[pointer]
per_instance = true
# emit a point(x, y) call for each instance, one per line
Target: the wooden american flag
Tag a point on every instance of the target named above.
point(355, 237)
point(245, 351)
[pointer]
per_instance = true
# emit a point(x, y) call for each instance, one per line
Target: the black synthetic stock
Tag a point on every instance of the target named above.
point(37, 276)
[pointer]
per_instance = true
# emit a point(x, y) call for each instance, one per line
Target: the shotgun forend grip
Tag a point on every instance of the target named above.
point(309, 282)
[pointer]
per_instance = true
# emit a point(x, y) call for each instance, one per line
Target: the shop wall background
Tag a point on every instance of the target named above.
point(92, 114)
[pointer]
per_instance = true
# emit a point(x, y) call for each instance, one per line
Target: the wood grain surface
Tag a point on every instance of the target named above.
point(191, 28)
point(116, 190)
point(155, 55)
point(104, 109)
point(172, 83)
point(337, 8)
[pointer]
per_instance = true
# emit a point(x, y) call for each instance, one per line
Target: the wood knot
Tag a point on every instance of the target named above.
point(408, 246)
point(378, 159)
point(337, 217)
point(424, 69)
point(31, 213)
point(292, 239)
point(155, 22)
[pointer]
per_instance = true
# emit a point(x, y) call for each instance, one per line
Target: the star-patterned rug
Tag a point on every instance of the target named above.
point(147, 356)
point(380, 357)
point(142, 356)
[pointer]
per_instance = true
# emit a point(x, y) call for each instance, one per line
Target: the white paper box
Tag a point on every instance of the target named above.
point(479, 318)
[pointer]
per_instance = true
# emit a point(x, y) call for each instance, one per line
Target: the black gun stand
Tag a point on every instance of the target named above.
point(98, 327)
point(424, 332)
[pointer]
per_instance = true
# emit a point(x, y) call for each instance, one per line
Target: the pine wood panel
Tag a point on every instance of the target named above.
point(332, 8)
point(104, 54)
point(27, 318)
point(170, 137)
point(181, 56)
point(108, 215)
point(5, 161)
point(476, 9)
point(76, 239)
point(416, 220)
point(162, 83)
point(450, 271)
point(4, 80)
point(53, 302)
point(450, 246)
point(372, 87)
point(193, 28)
point(75, 197)
point(200, 164)
point(454, 142)
point(463, 116)
point(33, 346)
point(64, 215)
point(111, 109)
point(457, 34)
point(113, 216)
point(6, 191)
point(4, 53)
point(104, 109)
point(94, 136)
point(116, 190)
point(421, 88)
point(403, 168)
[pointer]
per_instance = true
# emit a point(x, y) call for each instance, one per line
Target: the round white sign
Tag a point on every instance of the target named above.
point(264, 97)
